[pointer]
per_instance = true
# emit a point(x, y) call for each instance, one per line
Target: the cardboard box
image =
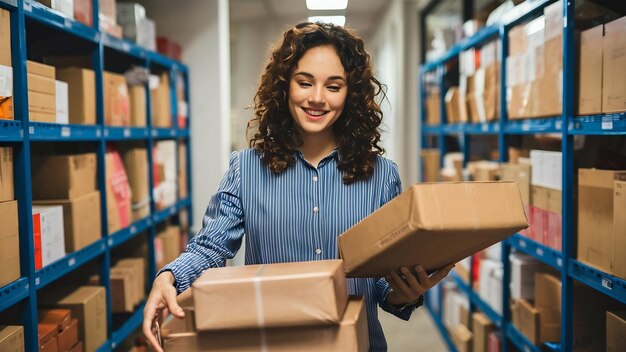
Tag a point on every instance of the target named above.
point(432, 225)
point(40, 69)
point(122, 290)
point(41, 84)
point(48, 234)
point(7, 191)
point(553, 221)
point(350, 334)
point(62, 318)
point(12, 338)
point(161, 109)
point(538, 206)
point(433, 110)
point(165, 176)
point(526, 319)
point(40, 102)
point(9, 243)
point(81, 219)
point(83, 12)
point(82, 94)
point(615, 331)
point(138, 105)
point(614, 67)
point(116, 100)
point(68, 337)
point(88, 305)
point(136, 164)
point(430, 164)
point(619, 227)
point(38, 116)
point(78, 347)
point(596, 240)
point(481, 327)
point(118, 192)
point(523, 269)
point(5, 38)
point(6, 92)
point(47, 334)
point(453, 105)
point(461, 337)
point(546, 169)
point(270, 295)
point(63, 176)
point(138, 265)
point(66, 7)
point(590, 71)
point(590, 333)
point(62, 102)
point(548, 304)
point(167, 245)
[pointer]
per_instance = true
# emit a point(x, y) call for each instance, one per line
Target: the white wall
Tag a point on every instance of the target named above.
point(202, 28)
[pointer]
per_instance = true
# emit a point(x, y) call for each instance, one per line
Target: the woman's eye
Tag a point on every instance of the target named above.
point(334, 88)
point(304, 84)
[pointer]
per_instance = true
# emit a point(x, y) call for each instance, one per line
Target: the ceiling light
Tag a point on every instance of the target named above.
point(338, 20)
point(326, 4)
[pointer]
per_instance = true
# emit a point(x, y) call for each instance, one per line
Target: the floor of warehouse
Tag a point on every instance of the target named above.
point(419, 334)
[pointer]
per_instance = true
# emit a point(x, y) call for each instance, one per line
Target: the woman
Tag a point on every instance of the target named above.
point(314, 171)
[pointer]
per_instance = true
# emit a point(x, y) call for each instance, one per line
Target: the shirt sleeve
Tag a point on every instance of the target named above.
point(221, 233)
point(392, 188)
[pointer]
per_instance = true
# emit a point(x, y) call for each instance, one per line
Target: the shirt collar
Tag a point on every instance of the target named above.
point(334, 154)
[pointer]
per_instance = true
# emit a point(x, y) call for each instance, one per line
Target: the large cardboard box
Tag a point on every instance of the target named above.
point(81, 219)
point(116, 100)
point(5, 38)
point(138, 265)
point(526, 319)
point(48, 234)
point(349, 335)
point(138, 105)
point(62, 318)
point(40, 84)
point(590, 71)
point(548, 304)
point(7, 191)
point(41, 106)
point(167, 245)
point(270, 295)
point(615, 331)
point(40, 69)
point(614, 67)
point(161, 108)
point(9, 243)
point(432, 225)
point(122, 289)
point(619, 227)
point(41, 102)
point(12, 338)
point(82, 94)
point(88, 305)
point(63, 176)
point(6, 67)
point(118, 192)
point(596, 239)
point(481, 328)
point(136, 163)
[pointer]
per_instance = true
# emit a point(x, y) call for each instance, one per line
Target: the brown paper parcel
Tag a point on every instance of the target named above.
point(432, 224)
point(350, 335)
point(284, 294)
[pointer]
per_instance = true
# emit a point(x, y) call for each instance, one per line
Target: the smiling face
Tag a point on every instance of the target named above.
point(317, 92)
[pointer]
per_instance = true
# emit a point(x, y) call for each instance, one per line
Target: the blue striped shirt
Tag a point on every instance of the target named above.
point(293, 216)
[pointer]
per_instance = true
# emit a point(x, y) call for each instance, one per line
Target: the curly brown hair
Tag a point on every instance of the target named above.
point(356, 131)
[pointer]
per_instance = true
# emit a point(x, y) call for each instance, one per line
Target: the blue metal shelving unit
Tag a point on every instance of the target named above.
point(567, 125)
point(21, 134)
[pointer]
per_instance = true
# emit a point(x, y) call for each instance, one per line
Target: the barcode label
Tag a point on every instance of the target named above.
point(607, 123)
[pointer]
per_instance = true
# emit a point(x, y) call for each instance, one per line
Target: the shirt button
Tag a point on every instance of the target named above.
point(314, 178)
point(318, 251)
point(316, 209)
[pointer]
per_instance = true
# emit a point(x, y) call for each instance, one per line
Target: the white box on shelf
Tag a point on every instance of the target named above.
point(48, 234)
point(62, 102)
point(546, 169)
point(523, 269)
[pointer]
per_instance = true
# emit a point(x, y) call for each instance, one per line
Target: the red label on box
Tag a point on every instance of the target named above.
point(37, 240)
point(121, 189)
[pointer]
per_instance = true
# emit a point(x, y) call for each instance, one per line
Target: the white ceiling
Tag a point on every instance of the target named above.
point(361, 15)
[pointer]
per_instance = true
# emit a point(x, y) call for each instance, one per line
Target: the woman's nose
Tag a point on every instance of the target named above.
point(317, 96)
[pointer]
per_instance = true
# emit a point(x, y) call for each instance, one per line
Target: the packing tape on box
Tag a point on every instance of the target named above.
point(260, 315)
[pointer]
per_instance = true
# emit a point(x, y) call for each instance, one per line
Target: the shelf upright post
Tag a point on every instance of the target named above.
point(150, 147)
point(188, 154)
point(104, 262)
point(504, 156)
point(441, 68)
point(568, 238)
point(23, 189)
point(421, 88)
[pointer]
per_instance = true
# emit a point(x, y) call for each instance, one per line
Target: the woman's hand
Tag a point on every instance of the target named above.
point(162, 296)
point(410, 287)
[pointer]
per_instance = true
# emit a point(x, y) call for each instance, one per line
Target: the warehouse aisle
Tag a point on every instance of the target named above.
point(419, 334)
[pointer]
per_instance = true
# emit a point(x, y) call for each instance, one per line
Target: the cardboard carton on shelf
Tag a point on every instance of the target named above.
point(548, 304)
point(138, 265)
point(590, 71)
point(7, 192)
point(9, 243)
point(350, 334)
point(116, 100)
point(138, 114)
point(482, 327)
point(168, 47)
point(161, 109)
point(615, 330)
point(6, 67)
point(48, 234)
point(81, 94)
point(614, 67)
point(88, 305)
point(167, 245)
point(61, 317)
point(12, 338)
point(461, 337)
point(432, 225)
point(40, 84)
point(619, 227)
point(47, 334)
point(63, 176)
point(62, 102)
point(68, 337)
point(433, 111)
point(136, 164)
point(119, 193)
point(226, 298)
point(526, 319)
point(431, 164)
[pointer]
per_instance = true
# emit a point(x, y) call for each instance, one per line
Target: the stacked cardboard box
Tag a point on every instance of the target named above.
point(138, 114)
point(614, 67)
point(66, 328)
point(6, 67)
point(81, 94)
point(601, 224)
point(165, 174)
point(41, 92)
point(482, 327)
point(431, 164)
point(9, 243)
point(490, 283)
point(137, 27)
point(116, 100)
point(294, 306)
point(12, 338)
point(545, 198)
point(525, 318)
point(160, 94)
point(128, 278)
point(136, 163)
point(69, 181)
point(47, 334)
point(108, 18)
point(615, 330)
point(167, 245)
point(433, 107)
point(118, 191)
point(523, 269)
point(88, 305)
point(454, 219)
point(7, 192)
point(456, 318)
point(590, 71)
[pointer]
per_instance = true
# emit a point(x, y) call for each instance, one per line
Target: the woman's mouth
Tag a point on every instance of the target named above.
point(315, 114)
